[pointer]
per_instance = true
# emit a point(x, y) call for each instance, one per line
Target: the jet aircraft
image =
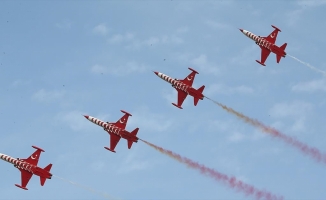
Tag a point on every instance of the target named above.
point(184, 87)
point(267, 45)
point(28, 167)
point(116, 130)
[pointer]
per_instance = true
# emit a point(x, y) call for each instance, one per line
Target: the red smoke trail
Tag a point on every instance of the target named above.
point(311, 151)
point(230, 181)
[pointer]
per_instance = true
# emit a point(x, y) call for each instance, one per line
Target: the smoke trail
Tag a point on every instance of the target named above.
point(230, 181)
point(308, 65)
point(106, 196)
point(311, 151)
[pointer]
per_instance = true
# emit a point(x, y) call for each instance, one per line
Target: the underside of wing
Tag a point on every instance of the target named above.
point(122, 122)
point(25, 177)
point(114, 140)
point(264, 55)
point(272, 37)
point(181, 97)
point(33, 159)
point(189, 79)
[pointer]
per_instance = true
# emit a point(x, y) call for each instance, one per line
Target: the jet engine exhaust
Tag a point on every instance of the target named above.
point(308, 65)
point(104, 195)
point(232, 182)
point(304, 148)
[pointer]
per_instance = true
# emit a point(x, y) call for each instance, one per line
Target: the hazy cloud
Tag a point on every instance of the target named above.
point(120, 70)
point(100, 29)
point(223, 89)
point(47, 96)
point(311, 86)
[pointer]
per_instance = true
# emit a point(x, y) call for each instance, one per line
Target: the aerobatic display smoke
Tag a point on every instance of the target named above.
point(311, 151)
point(308, 65)
point(230, 181)
point(86, 188)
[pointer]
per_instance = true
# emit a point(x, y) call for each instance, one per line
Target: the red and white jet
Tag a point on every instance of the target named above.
point(28, 167)
point(267, 45)
point(117, 130)
point(184, 87)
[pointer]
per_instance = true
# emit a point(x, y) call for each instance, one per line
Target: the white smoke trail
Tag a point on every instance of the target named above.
point(106, 196)
point(308, 65)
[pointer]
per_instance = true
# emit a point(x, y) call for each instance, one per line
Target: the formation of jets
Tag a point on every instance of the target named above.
point(28, 167)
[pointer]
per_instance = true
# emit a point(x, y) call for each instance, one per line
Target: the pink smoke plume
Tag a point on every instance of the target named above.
point(311, 151)
point(230, 181)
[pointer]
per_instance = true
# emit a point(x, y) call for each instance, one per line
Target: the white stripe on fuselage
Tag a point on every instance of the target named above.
point(19, 164)
point(106, 126)
point(175, 83)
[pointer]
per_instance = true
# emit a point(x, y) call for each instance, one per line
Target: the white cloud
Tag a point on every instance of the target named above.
point(75, 120)
point(201, 62)
point(311, 86)
point(236, 137)
point(149, 121)
point(246, 55)
point(132, 163)
point(294, 16)
point(47, 96)
point(311, 3)
point(18, 83)
point(182, 30)
point(129, 67)
point(217, 25)
point(64, 25)
point(223, 89)
point(297, 111)
point(156, 40)
point(100, 29)
point(118, 38)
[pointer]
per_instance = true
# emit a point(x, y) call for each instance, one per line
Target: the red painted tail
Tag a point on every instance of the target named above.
point(133, 133)
point(278, 56)
point(47, 168)
point(200, 90)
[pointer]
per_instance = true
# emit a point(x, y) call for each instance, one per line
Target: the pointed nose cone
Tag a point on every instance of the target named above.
point(155, 73)
point(86, 116)
point(241, 29)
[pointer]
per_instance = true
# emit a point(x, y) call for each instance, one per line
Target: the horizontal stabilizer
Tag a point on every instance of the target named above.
point(133, 133)
point(42, 179)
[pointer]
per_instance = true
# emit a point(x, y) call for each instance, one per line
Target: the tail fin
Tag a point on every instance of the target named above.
point(133, 133)
point(47, 168)
point(278, 57)
point(200, 90)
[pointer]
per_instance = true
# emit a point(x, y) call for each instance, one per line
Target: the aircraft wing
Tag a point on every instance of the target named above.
point(114, 140)
point(181, 97)
point(189, 79)
point(272, 37)
point(25, 177)
point(264, 54)
point(122, 122)
point(33, 159)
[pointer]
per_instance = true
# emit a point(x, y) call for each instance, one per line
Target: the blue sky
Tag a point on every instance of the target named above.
point(62, 59)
